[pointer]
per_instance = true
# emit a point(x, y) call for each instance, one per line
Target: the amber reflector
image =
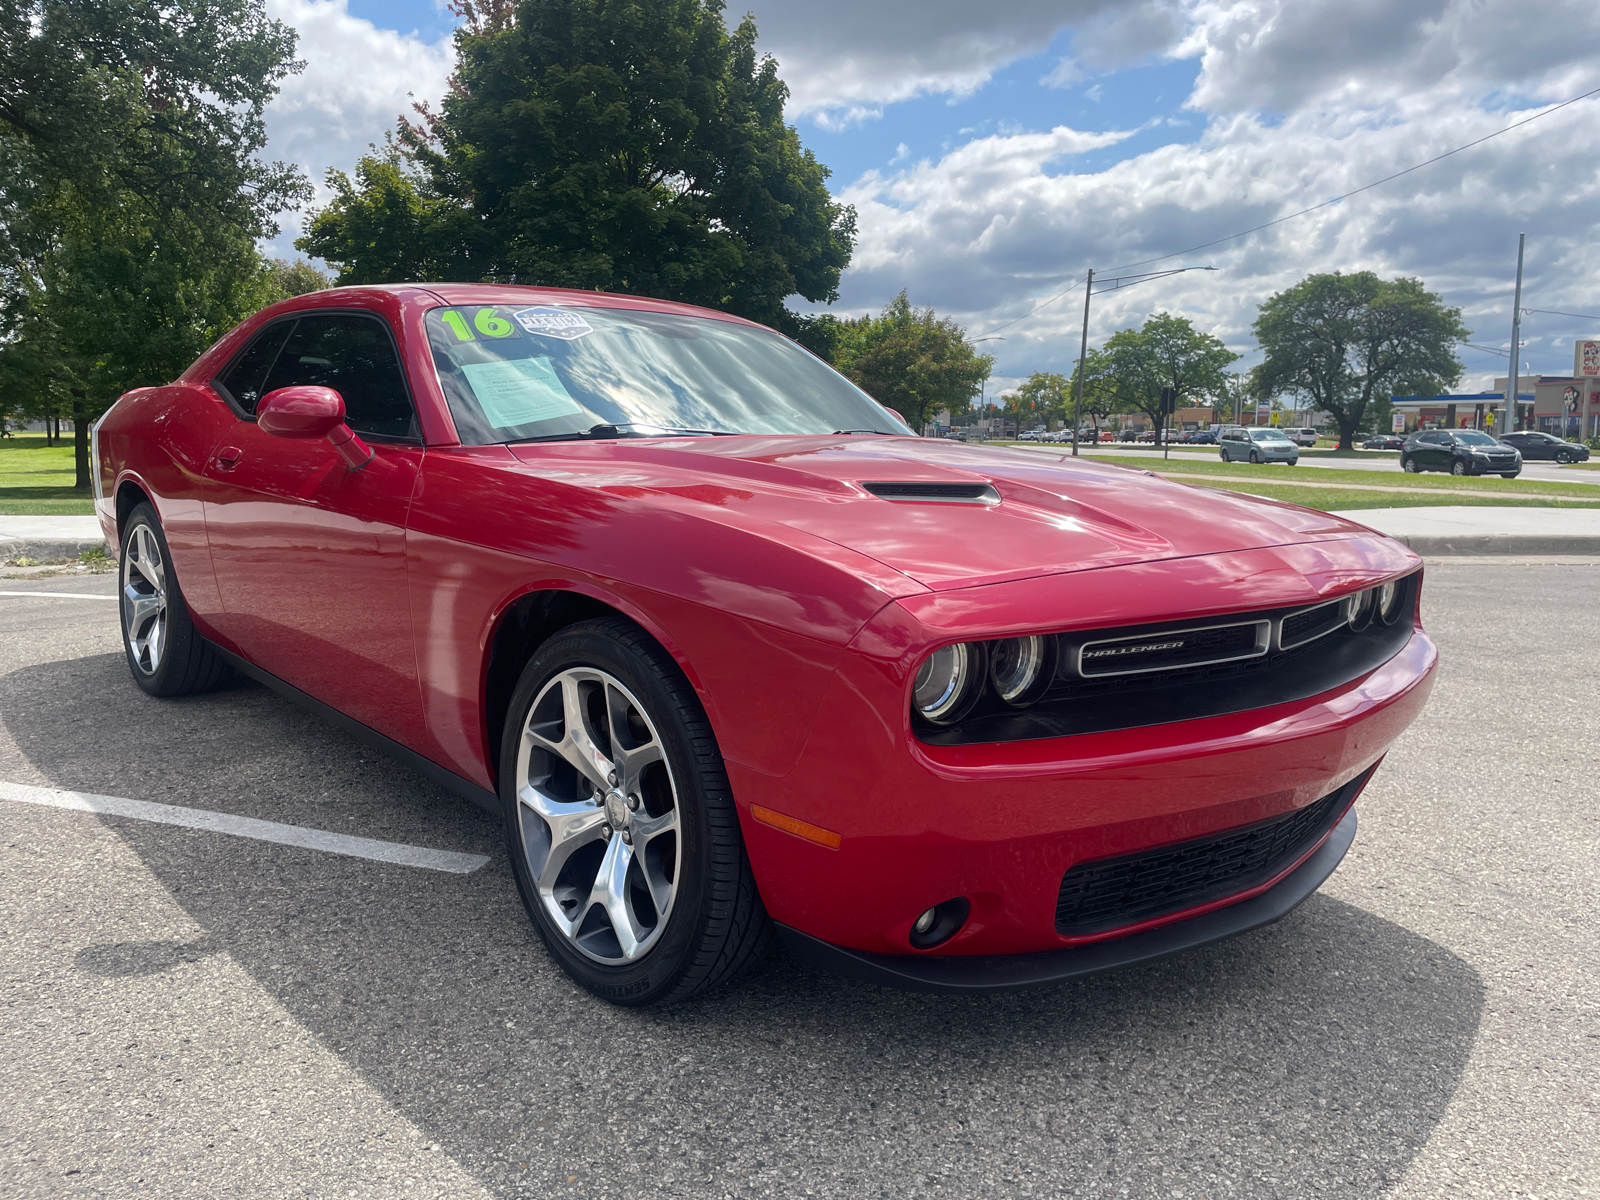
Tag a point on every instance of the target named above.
point(802, 829)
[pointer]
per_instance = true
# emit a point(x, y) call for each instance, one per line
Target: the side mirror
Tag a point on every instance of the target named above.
point(312, 412)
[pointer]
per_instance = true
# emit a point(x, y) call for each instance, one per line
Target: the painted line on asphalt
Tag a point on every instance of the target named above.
point(247, 827)
point(62, 595)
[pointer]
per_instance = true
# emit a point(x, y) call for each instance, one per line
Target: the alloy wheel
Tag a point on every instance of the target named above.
point(144, 599)
point(597, 810)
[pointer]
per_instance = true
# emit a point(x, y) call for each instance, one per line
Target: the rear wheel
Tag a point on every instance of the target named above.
point(166, 655)
point(621, 823)
point(1409, 465)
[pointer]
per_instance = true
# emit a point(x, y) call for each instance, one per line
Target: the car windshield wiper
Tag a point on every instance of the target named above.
point(624, 429)
point(883, 432)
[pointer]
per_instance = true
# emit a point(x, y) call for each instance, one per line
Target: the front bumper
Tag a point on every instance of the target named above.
point(966, 975)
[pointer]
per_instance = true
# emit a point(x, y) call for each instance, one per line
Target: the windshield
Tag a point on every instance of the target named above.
point(1269, 435)
point(513, 373)
point(1473, 438)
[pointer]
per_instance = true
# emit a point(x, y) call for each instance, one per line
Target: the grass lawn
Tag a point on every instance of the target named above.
point(1329, 500)
point(36, 480)
point(1400, 488)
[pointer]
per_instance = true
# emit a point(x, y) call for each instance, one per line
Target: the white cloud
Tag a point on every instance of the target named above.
point(358, 80)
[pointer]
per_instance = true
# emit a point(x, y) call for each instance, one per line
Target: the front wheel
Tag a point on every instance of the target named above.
point(1458, 467)
point(165, 653)
point(1564, 458)
point(620, 820)
point(1255, 458)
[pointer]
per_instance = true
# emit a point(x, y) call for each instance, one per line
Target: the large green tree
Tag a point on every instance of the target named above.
point(627, 145)
point(912, 361)
point(1099, 399)
point(131, 196)
point(1346, 342)
point(1042, 396)
point(1166, 352)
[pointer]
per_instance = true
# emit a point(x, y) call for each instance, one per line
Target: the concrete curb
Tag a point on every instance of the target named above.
point(1447, 546)
point(48, 549)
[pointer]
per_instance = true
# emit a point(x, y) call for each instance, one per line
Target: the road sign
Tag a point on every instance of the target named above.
point(1398, 422)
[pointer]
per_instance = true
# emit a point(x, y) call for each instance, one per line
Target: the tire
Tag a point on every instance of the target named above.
point(1255, 458)
point(1564, 458)
point(1409, 465)
point(165, 653)
point(1458, 468)
point(656, 818)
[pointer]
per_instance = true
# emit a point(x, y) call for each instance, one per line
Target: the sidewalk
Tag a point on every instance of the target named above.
point(1441, 531)
point(45, 538)
point(1468, 530)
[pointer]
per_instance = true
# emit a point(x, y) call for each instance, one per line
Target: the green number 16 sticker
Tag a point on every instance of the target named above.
point(485, 322)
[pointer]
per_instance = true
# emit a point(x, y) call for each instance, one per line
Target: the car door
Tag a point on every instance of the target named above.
point(309, 554)
point(1430, 453)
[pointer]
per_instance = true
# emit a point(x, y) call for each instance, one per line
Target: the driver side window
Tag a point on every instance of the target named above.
point(354, 356)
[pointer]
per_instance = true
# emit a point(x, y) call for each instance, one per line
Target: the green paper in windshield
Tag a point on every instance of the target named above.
point(519, 391)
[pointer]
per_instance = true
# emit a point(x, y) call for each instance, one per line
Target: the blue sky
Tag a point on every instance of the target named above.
point(994, 152)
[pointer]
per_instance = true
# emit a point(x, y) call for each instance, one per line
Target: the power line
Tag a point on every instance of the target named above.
point(1550, 312)
point(1324, 204)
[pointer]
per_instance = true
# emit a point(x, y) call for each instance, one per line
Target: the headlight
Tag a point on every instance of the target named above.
point(1389, 602)
point(1020, 669)
point(948, 683)
point(1358, 609)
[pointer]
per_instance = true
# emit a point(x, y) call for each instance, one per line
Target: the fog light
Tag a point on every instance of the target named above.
point(925, 921)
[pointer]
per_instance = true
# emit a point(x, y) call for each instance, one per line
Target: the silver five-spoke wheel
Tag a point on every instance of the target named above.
point(597, 810)
point(144, 600)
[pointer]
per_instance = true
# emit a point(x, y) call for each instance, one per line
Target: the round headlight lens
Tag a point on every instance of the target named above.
point(1358, 609)
point(943, 687)
point(1020, 669)
point(1389, 602)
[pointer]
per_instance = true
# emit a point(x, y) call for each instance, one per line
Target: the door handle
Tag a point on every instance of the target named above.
point(228, 457)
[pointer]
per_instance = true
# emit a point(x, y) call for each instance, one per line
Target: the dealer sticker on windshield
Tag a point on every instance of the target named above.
point(553, 322)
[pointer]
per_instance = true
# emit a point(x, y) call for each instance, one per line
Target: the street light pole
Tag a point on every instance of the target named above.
point(1516, 345)
point(983, 388)
point(1083, 358)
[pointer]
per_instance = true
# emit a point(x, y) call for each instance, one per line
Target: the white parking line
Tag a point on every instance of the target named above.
point(248, 827)
point(61, 595)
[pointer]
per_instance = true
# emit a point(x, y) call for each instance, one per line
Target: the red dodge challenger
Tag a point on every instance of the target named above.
point(728, 650)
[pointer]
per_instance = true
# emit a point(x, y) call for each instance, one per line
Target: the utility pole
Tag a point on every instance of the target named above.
point(1083, 359)
point(1516, 345)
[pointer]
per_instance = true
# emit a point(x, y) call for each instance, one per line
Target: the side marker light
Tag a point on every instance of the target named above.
point(794, 825)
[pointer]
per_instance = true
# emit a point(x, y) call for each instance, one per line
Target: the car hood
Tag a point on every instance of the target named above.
point(1048, 512)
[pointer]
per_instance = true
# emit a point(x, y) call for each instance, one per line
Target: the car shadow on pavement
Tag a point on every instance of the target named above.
point(1311, 1058)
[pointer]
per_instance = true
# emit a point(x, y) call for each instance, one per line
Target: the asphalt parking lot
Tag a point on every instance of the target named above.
point(188, 1013)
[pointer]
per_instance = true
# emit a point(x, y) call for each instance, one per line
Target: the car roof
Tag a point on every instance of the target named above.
point(507, 293)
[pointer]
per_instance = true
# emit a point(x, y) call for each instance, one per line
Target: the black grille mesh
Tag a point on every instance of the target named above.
point(1312, 623)
point(1113, 892)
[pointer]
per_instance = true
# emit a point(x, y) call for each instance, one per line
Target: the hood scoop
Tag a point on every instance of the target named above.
point(937, 493)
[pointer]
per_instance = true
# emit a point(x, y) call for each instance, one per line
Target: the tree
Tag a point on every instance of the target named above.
point(911, 361)
point(1344, 341)
point(1099, 400)
point(1167, 352)
point(130, 192)
point(285, 279)
point(1043, 396)
point(627, 145)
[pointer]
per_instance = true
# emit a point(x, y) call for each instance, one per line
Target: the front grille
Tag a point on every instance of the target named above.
point(1173, 648)
point(1307, 626)
point(1115, 892)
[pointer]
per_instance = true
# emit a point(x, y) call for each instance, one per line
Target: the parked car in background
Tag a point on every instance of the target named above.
point(1460, 452)
point(1384, 441)
point(1534, 446)
point(1258, 445)
point(1107, 436)
point(1203, 437)
point(1303, 437)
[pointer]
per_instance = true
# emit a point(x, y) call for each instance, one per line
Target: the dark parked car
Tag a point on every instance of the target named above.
point(1384, 441)
point(1543, 446)
point(1203, 438)
point(1461, 452)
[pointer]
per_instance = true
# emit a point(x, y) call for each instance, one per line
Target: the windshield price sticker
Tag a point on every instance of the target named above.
point(519, 391)
point(553, 322)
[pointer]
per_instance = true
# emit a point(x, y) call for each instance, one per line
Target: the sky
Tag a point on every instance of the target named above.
point(994, 152)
